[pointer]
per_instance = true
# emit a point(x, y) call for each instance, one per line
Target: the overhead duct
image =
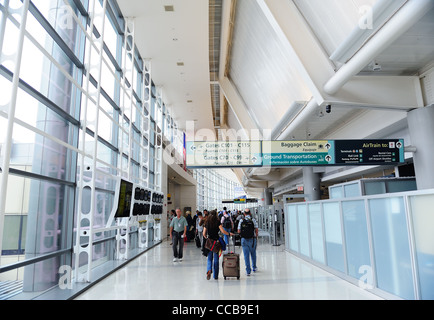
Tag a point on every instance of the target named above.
point(401, 22)
point(290, 115)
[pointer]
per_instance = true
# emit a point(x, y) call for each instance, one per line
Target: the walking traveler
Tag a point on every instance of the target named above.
point(211, 231)
point(228, 225)
point(199, 228)
point(178, 231)
point(248, 229)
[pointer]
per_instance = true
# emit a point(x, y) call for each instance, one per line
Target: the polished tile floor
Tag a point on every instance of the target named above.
point(281, 276)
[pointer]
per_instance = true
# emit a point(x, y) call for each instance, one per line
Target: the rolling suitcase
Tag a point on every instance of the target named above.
point(231, 265)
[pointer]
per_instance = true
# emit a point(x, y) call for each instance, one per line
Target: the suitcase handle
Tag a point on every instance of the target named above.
point(233, 240)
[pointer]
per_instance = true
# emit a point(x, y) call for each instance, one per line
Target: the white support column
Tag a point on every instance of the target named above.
point(146, 124)
point(158, 141)
point(421, 128)
point(127, 109)
point(85, 220)
point(3, 27)
point(7, 148)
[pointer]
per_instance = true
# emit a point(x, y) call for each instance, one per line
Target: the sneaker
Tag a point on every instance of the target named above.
point(256, 269)
point(180, 259)
point(248, 274)
point(175, 259)
point(208, 275)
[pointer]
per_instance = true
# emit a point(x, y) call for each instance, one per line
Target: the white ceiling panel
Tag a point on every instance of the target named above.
point(411, 52)
point(332, 21)
point(260, 68)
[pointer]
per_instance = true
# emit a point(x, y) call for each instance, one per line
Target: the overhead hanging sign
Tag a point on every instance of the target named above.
point(369, 152)
point(294, 153)
point(297, 153)
point(224, 154)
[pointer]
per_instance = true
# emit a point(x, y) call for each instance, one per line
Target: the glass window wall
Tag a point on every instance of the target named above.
point(62, 124)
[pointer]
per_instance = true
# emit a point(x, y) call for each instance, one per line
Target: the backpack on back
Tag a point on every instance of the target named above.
point(227, 223)
point(247, 229)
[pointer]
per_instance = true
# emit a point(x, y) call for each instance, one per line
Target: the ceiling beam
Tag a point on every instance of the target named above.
point(317, 69)
point(400, 23)
point(237, 104)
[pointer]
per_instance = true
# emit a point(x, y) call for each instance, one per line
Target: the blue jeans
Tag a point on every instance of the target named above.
point(213, 259)
point(249, 250)
point(228, 230)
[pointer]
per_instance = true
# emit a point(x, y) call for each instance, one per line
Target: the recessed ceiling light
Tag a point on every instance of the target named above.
point(169, 8)
point(189, 101)
point(180, 64)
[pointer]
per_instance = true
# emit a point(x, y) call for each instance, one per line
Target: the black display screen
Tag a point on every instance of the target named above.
point(125, 199)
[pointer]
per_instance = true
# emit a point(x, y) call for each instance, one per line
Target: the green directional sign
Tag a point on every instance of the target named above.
point(294, 153)
point(297, 153)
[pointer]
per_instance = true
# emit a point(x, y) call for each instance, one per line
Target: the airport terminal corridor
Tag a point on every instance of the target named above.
point(315, 115)
point(280, 276)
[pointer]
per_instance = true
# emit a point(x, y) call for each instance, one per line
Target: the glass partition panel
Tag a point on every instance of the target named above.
point(356, 236)
point(333, 236)
point(391, 246)
point(303, 229)
point(376, 187)
point(352, 190)
point(316, 232)
point(293, 228)
point(422, 214)
point(336, 192)
point(401, 185)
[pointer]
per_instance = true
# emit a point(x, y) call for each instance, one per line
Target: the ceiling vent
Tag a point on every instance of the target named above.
point(180, 64)
point(169, 8)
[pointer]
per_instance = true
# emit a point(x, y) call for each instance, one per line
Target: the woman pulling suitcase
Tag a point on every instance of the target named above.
point(211, 231)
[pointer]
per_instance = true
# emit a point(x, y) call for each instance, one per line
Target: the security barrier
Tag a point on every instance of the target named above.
point(382, 243)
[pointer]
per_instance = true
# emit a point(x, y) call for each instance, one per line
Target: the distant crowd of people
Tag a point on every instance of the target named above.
point(217, 226)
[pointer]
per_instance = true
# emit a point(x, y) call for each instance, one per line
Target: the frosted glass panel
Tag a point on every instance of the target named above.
point(356, 236)
point(352, 190)
point(316, 233)
point(336, 192)
point(423, 221)
point(303, 228)
point(401, 185)
point(333, 236)
point(378, 187)
point(391, 246)
point(293, 228)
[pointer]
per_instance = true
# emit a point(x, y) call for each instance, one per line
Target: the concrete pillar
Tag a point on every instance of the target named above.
point(268, 196)
point(421, 128)
point(312, 184)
